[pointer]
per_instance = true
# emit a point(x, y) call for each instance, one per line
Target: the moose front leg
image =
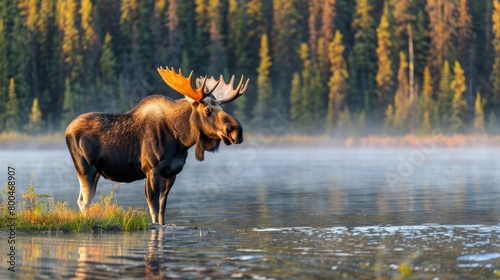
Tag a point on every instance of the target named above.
point(153, 190)
point(166, 184)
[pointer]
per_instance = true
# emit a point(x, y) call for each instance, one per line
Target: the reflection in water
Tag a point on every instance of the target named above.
point(304, 213)
point(362, 252)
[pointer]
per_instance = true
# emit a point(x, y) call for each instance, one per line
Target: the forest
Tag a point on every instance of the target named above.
point(335, 67)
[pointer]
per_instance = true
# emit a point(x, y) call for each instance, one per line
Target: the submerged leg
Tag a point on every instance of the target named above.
point(153, 190)
point(166, 185)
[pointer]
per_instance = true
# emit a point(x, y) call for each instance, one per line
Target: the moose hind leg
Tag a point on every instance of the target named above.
point(166, 185)
point(88, 185)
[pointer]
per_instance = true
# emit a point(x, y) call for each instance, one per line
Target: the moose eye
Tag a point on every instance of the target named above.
point(208, 111)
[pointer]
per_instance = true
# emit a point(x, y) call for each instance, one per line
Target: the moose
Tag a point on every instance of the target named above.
point(151, 141)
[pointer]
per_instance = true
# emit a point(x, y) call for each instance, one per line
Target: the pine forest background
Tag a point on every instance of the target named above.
point(340, 67)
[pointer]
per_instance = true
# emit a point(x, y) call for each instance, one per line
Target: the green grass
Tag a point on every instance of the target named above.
point(40, 213)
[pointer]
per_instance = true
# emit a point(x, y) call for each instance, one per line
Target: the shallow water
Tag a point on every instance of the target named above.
point(303, 213)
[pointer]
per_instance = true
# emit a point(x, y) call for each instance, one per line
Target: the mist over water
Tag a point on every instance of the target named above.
point(304, 212)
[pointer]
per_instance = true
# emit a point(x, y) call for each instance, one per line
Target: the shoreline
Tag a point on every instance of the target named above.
point(17, 141)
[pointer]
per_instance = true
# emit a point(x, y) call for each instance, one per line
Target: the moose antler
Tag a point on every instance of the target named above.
point(223, 92)
point(184, 85)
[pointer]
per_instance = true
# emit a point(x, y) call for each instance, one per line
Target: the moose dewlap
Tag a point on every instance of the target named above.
point(152, 140)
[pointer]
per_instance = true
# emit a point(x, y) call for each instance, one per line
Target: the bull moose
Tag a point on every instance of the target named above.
point(152, 140)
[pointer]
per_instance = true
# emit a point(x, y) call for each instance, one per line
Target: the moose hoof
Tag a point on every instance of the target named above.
point(154, 226)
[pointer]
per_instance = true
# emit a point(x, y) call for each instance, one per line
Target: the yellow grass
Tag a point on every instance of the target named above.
point(39, 212)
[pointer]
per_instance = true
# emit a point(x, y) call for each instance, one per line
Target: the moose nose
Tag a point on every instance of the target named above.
point(234, 132)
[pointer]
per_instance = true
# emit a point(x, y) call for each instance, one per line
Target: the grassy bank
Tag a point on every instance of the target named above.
point(40, 213)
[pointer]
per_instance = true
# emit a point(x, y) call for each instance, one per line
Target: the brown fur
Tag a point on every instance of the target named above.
point(150, 141)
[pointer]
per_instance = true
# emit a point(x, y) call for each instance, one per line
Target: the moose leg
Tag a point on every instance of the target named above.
point(166, 185)
point(153, 190)
point(88, 184)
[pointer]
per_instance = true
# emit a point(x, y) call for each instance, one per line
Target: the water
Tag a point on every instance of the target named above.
point(284, 213)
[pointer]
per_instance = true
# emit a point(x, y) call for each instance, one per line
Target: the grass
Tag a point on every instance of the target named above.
point(40, 213)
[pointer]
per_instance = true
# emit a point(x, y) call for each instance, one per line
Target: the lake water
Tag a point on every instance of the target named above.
point(284, 213)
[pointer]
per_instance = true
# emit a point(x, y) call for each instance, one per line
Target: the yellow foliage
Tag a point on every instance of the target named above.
point(384, 72)
point(87, 24)
point(362, 18)
point(478, 115)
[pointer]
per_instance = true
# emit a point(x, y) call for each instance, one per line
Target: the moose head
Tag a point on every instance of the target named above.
point(207, 115)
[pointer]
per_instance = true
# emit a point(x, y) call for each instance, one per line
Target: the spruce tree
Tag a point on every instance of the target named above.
point(401, 98)
point(35, 118)
point(442, 28)
point(296, 98)
point(337, 83)
point(362, 59)
point(68, 110)
point(459, 87)
point(12, 108)
point(384, 75)
point(478, 115)
point(444, 95)
point(3, 74)
point(495, 74)
point(264, 86)
point(107, 61)
point(389, 119)
point(255, 29)
point(427, 105)
point(306, 83)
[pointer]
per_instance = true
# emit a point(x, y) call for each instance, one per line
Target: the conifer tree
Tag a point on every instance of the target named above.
point(12, 108)
point(427, 90)
point(35, 118)
point(89, 38)
point(338, 79)
point(313, 20)
point(389, 119)
point(442, 28)
point(201, 12)
point(401, 16)
point(216, 64)
point(362, 60)
point(255, 29)
point(384, 75)
point(327, 24)
point(296, 98)
point(174, 35)
point(401, 98)
point(444, 95)
point(107, 62)
point(478, 115)
point(427, 105)
point(68, 110)
point(459, 87)
point(306, 83)
point(420, 41)
point(464, 32)
point(495, 74)
point(426, 123)
point(264, 86)
point(286, 41)
point(70, 48)
point(3, 74)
